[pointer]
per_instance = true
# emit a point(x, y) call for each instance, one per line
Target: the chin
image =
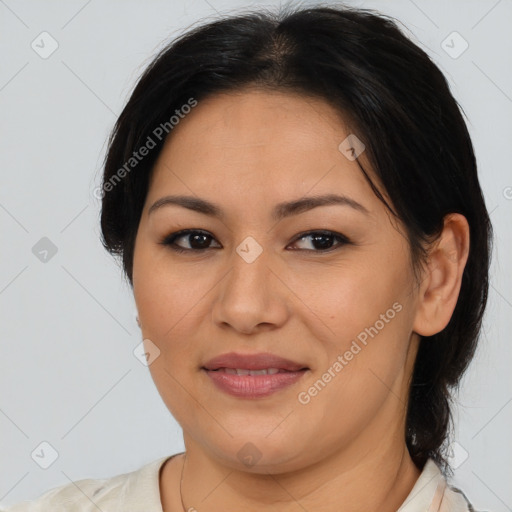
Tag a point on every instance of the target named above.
point(259, 454)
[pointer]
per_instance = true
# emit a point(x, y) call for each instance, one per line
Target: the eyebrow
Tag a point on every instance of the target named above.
point(280, 211)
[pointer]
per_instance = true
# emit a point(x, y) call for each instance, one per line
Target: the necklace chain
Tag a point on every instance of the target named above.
point(181, 482)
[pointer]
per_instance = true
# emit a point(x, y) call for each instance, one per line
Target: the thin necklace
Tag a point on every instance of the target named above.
point(181, 482)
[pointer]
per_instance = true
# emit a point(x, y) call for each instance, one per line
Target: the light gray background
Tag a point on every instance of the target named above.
point(68, 375)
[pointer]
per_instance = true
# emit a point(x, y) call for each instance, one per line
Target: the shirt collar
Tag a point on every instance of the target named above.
point(428, 491)
point(143, 487)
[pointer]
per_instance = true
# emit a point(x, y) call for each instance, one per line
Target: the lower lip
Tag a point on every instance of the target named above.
point(253, 386)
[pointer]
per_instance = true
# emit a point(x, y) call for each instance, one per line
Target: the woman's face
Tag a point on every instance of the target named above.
point(259, 278)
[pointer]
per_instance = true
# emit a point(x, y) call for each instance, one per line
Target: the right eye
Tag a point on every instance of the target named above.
point(198, 240)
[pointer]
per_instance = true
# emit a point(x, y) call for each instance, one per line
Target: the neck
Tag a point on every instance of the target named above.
point(380, 479)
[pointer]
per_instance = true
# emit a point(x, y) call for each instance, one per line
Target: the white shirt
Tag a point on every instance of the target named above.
point(139, 491)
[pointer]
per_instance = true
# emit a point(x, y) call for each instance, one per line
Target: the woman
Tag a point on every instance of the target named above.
point(296, 204)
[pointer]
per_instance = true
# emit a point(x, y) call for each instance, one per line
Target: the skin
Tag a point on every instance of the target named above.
point(247, 152)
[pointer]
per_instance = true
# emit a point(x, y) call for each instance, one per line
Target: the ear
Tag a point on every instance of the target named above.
point(442, 278)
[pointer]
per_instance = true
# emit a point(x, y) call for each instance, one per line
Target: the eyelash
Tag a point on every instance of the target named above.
point(169, 240)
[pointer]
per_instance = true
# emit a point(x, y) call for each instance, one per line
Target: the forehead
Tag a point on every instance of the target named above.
point(259, 142)
point(255, 117)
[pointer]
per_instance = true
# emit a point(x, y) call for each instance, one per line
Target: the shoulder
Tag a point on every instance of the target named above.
point(136, 491)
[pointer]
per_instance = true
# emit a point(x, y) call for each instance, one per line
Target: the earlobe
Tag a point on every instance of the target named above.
point(442, 279)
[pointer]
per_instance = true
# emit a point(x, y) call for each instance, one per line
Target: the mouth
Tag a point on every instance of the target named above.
point(253, 375)
point(245, 371)
point(253, 362)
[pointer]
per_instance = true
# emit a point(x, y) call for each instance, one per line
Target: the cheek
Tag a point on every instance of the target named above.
point(348, 297)
point(165, 294)
point(165, 302)
point(168, 304)
point(364, 334)
point(364, 369)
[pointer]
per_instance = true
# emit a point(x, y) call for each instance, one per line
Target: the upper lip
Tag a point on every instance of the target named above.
point(259, 361)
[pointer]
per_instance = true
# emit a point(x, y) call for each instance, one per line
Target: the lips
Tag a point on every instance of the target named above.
point(253, 376)
point(253, 362)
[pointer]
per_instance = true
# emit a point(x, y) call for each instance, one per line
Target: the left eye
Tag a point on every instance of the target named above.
point(321, 241)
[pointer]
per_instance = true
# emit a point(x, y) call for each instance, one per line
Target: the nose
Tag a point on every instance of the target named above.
point(252, 296)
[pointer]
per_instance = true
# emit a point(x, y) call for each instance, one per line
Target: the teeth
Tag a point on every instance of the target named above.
point(243, 371)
